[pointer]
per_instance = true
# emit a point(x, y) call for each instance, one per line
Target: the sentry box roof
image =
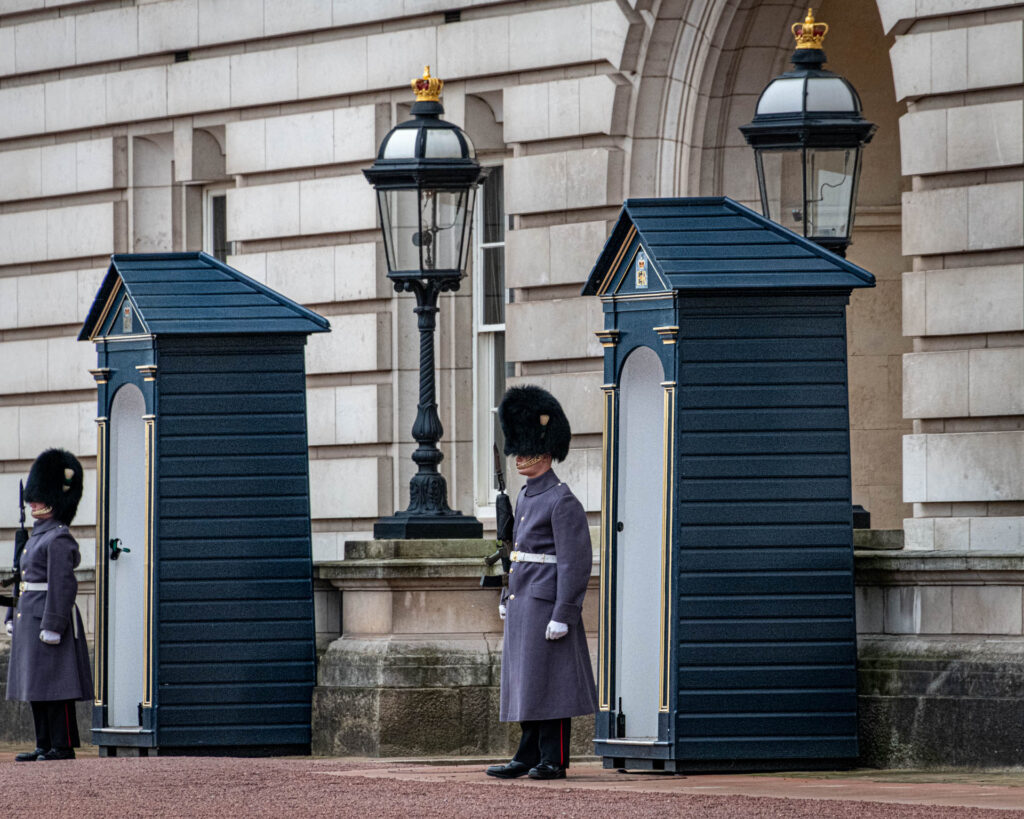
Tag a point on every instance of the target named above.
point(189, 294)
point(708, 244)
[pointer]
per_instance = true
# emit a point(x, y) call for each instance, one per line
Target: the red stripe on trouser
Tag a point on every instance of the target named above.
point(67, 723)
point(561, 746)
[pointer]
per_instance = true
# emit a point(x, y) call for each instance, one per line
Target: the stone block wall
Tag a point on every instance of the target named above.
point(963, 224)
point(123, 119)
point(114, 144)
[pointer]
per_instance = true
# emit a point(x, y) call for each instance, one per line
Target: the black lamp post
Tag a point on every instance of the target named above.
point(807, 135)
point(426, 177)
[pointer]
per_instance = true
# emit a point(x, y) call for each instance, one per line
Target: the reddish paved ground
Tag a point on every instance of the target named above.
point(301, 787)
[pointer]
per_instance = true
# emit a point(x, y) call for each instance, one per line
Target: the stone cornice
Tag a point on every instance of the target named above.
point(874, 568)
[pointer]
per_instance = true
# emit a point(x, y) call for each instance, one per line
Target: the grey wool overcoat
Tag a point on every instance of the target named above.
point(38, 671)
point(540, 678)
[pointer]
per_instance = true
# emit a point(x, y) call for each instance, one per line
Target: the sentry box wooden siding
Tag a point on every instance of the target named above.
point(204, 604)
point(727, 634)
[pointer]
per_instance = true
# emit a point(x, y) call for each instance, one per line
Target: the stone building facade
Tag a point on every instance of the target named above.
point(241, 127)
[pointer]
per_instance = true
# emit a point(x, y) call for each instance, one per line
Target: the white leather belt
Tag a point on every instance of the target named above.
point(26, 586)
point(531, 557)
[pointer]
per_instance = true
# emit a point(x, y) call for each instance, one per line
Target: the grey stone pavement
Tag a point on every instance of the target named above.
point(365, 788)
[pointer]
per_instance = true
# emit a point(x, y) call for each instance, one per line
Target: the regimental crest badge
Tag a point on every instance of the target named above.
point(641, 271)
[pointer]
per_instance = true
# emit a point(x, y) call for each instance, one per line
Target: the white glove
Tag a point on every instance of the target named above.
point(502, 611)
point(10, 627)
point(556, 630)
point(51, 638)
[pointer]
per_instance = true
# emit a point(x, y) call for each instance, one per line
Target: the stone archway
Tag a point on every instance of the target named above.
point(693, 53)
point(702, 65)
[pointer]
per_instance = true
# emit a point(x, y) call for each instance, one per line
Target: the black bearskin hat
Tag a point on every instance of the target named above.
point(56, 480)
point(534, 423)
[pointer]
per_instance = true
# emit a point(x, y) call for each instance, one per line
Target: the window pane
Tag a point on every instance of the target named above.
point(494, 208)
point(219, 227)
point(498, 390)
point(467, 229)
point(493, 283)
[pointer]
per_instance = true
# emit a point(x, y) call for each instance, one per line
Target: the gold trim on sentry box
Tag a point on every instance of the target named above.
point(668, 499)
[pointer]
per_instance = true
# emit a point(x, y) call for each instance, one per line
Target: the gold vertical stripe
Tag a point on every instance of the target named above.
point(605, 636)
point(147, 695)
point(668, 495)
point(99, 605)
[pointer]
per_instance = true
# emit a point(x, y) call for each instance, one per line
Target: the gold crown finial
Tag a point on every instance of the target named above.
point(809, 34)
point(427, 88)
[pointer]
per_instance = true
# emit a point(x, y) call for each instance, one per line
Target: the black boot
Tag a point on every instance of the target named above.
point(510, 771)
point(57, 753)
point(29, 756)
point(547, 770)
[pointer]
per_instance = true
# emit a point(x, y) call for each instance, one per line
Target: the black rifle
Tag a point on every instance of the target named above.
point(20, 539)
point(504, 520)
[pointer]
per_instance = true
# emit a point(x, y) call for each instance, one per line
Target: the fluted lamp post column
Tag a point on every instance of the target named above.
point(807, 135)
point(426, 176)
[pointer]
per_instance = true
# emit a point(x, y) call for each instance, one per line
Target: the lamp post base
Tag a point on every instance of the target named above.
point(411, 526)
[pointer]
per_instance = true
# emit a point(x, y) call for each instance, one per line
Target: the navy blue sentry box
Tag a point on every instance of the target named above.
point(204, 616)
point(727, 631)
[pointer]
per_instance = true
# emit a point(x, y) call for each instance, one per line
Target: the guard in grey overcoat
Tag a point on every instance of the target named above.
point(49, 665)
point(546, 676)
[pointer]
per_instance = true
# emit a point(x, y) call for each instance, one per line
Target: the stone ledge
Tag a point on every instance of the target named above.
point(872, 649)
point(878, 539)
point(344, 571)
point(938, 567)
point(412, 561)
point(418, 549)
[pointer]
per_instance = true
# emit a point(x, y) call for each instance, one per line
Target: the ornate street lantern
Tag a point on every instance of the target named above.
point(426, 176)
point(807, 134)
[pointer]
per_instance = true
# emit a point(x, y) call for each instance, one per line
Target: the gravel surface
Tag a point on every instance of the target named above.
point(305, 787)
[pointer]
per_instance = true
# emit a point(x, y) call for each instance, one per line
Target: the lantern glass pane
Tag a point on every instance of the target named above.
point(443, 221)
point(784, 96)
point(781, 176)
point(467, 227)
point(830, 191)
point(400, 224)
point(442, 144)
point(829, 94)
point(401, 144)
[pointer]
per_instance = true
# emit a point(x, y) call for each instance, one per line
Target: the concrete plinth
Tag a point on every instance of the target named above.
point(940, 659)
point(417, 669)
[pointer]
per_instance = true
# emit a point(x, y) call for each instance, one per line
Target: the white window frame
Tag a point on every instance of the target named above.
point(484, 337)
